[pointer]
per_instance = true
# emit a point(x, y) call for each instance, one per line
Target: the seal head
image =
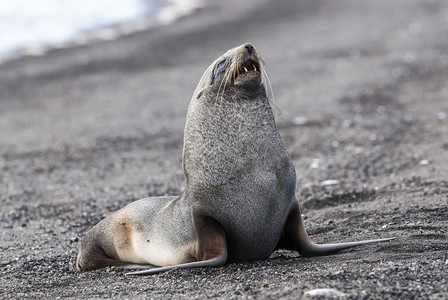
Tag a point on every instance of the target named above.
point(239, 67)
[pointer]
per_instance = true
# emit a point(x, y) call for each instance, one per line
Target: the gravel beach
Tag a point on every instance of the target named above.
point(361, 100)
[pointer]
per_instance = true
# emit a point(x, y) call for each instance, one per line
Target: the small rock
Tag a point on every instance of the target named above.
point(347, 123)
point(359, 150)
point(441, 115)
point(324, 292)
point(4, 263)
point(315, 164)
point(329, 182)
point(299, 121)
point(424, 162)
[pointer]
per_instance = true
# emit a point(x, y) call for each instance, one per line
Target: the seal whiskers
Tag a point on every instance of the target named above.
point(268, 81)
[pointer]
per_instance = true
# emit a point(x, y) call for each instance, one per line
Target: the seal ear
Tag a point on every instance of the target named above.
point(199, 95)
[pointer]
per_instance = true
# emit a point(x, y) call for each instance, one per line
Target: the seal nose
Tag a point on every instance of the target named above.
point(249, 48)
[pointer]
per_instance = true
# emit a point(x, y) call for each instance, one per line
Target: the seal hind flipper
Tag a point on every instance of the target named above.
point(296, 238)
point(211, 247)
point(214, 262)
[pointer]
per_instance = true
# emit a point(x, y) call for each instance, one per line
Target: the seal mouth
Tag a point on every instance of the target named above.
point(248, 67)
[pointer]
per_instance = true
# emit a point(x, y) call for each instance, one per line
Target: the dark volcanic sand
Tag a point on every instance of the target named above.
point(362, 97)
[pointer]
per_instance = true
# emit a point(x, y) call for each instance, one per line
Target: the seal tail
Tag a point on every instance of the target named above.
point(296, 238)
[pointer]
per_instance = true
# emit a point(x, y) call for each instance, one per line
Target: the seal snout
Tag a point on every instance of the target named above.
point(247, 51)
point(249, 48)
point(247, 64)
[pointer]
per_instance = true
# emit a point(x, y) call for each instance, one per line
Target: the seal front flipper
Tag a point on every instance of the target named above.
point(211, 248)
point(93, 256)
point(296, 238)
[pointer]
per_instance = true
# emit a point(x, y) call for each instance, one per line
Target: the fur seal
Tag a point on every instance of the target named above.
point(239, 203)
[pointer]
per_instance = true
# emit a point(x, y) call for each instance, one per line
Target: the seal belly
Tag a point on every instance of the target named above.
point(158, 252)
point(164, 238)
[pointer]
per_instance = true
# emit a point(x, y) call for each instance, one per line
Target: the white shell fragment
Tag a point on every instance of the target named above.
point(329, 182)
point(325, 292)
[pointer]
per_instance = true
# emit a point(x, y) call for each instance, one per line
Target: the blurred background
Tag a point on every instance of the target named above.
point(31, 27)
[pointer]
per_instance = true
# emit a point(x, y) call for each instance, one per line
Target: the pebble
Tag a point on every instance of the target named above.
point(315, 164)
point(300, 121)
point(4, 263)
point(441, 115)
point(329, 182)
point(324, 292)
point(424, 162)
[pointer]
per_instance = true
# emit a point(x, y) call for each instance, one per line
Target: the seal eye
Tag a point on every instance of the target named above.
point(219, 69)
